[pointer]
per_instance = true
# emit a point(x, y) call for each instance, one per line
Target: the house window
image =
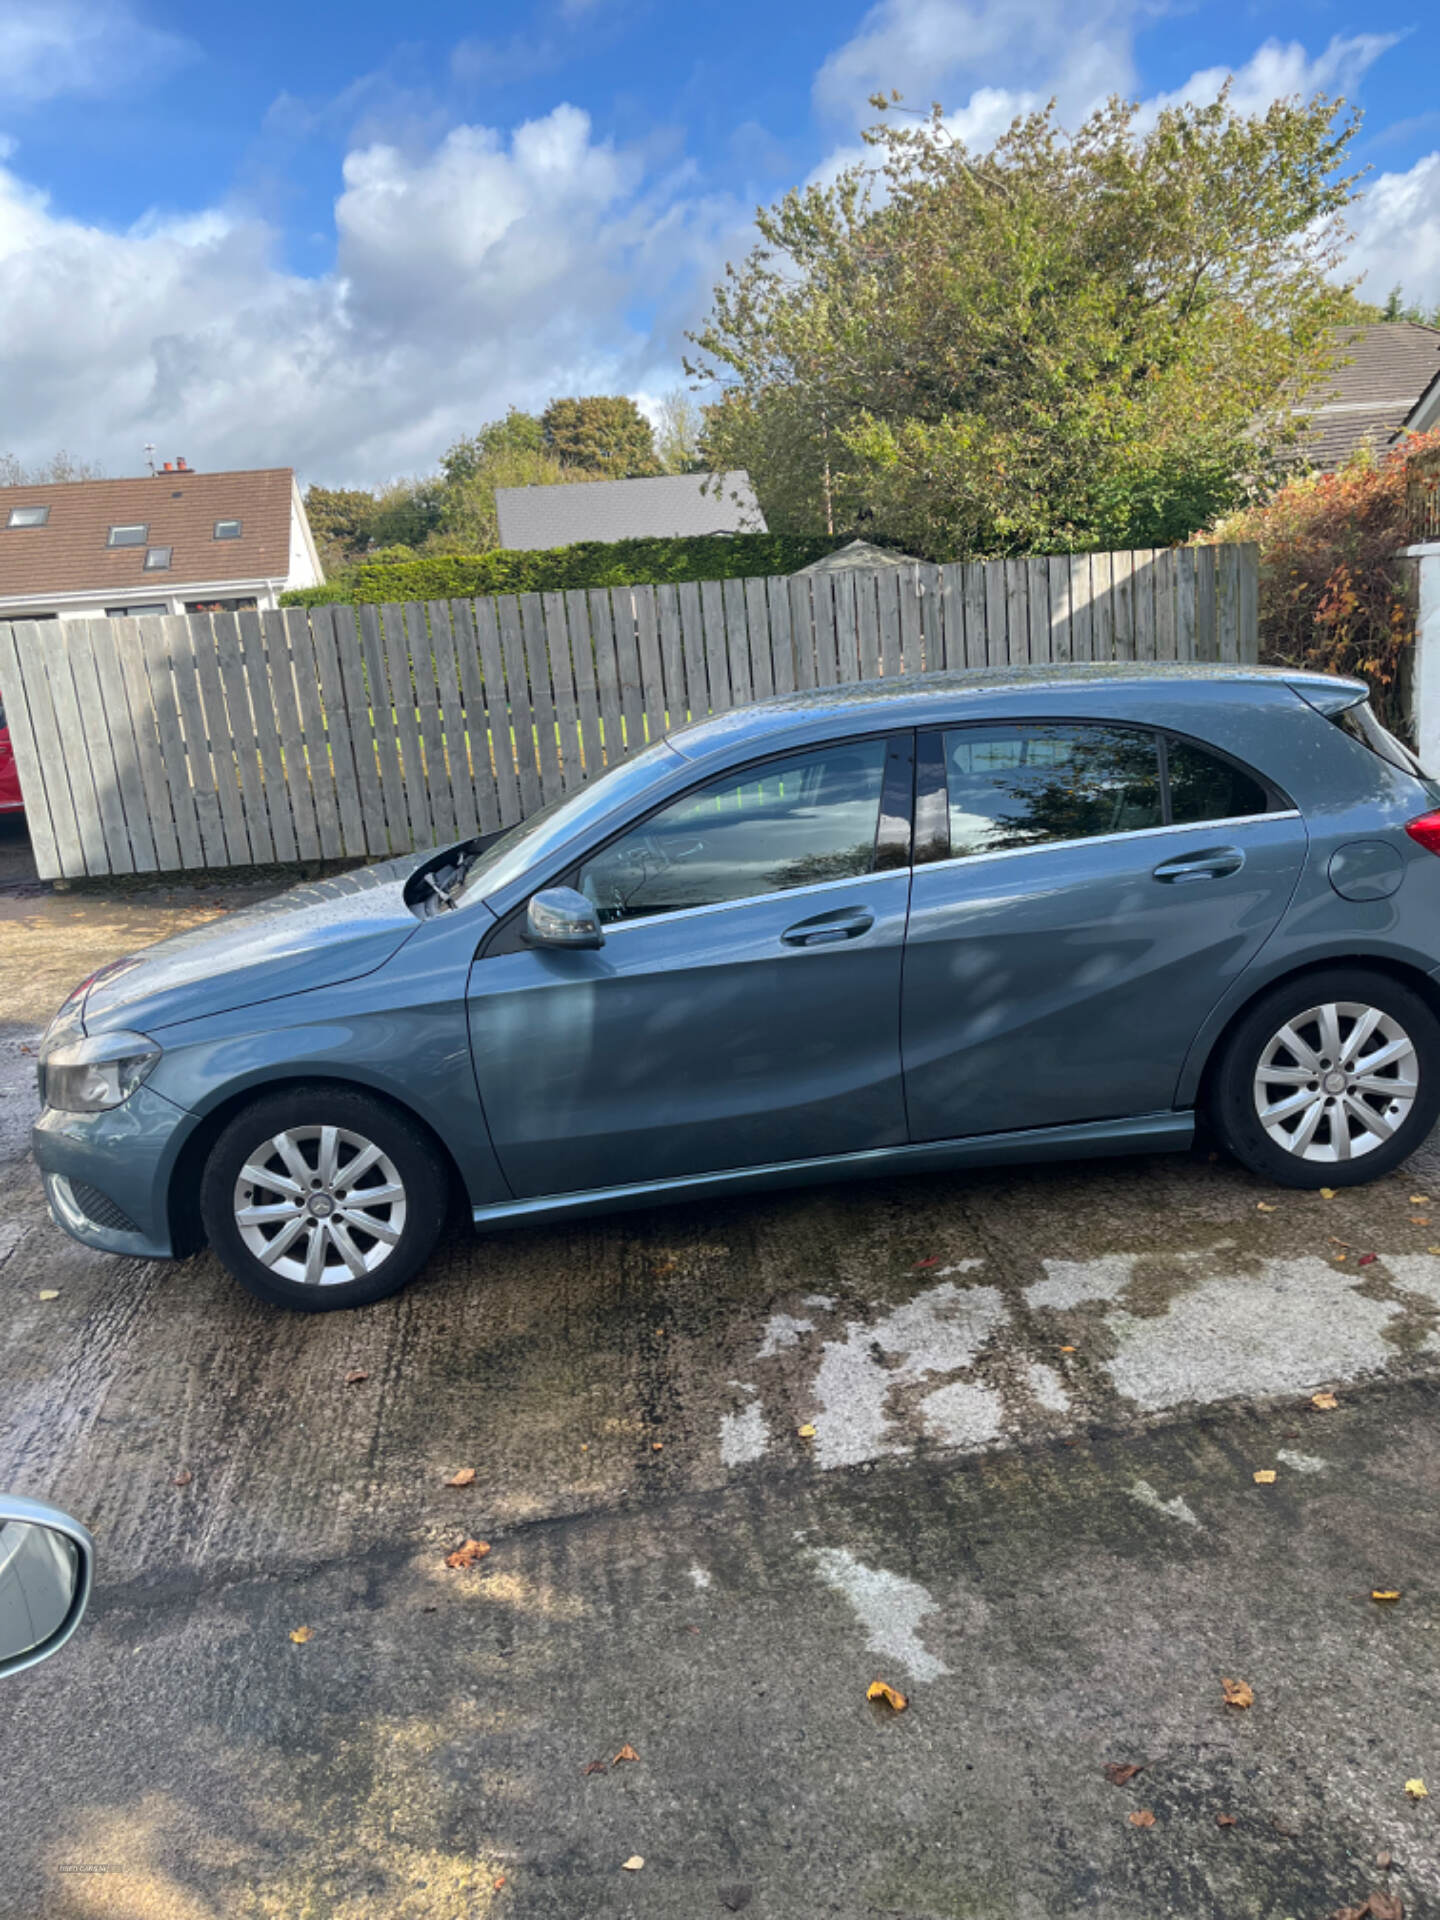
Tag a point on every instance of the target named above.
point(128, 536)
point(121, 613)
point(240, 604)
point(227, 529)
point(157, 559)
point(28, 516)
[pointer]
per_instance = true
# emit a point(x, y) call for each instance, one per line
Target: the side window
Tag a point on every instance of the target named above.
point(1204, 787)
point(1023, 785)
point(788, 823)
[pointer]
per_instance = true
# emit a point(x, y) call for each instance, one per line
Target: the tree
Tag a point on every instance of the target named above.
point(1333, 588)
point(606, 434)
point(678, 436)
point(340, 521)
point(517, 433)
point(469, 522)
point(1067, 341)
point(59, 467)
point(1397, 307)
point(407, 512)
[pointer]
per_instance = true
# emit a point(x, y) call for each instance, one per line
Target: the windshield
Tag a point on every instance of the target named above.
point(515, 852)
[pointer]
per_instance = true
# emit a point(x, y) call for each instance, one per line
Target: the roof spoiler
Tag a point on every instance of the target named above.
point(1331, 696)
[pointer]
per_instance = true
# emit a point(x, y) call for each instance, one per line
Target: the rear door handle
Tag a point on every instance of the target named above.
point(1213, 863)
point(827, 929)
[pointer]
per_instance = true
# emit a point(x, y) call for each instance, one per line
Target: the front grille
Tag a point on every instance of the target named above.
point(101, 1209)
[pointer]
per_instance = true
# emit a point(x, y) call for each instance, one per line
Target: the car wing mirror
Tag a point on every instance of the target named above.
point(561, 917)
point(46, 1562)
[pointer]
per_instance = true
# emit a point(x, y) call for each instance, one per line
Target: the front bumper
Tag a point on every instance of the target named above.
point(107, 1175)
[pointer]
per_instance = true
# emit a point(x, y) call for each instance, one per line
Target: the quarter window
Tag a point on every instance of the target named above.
point(1204, 787)
point(128, 536)
point(788, 823)
point(1024, 785)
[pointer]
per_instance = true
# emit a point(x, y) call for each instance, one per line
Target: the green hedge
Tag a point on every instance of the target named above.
point(589, 563)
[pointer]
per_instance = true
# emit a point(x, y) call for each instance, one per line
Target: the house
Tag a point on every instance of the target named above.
point(672, 504)
point(174, 541)
point(1389, 385)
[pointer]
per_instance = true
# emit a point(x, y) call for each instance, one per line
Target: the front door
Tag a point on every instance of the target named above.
point(745, 1006)
point(1103, 888)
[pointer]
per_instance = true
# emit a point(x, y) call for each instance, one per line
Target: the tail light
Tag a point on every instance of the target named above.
point(1425, 831)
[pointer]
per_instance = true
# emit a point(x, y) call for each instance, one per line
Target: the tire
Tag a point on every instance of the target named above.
point(1283, 1089)
point(340, 1245)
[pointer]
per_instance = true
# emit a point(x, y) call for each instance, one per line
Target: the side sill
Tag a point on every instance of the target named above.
point(1145, 1133)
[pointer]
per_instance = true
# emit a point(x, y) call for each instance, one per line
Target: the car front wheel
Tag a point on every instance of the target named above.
point(1329, 1080)
point(320, 1198)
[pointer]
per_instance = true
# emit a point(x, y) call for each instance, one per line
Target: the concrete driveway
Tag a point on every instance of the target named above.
point(991, 1439)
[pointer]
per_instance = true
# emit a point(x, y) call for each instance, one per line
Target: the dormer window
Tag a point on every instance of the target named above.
point(227, 529)
point(132, 536)
point(28, 516)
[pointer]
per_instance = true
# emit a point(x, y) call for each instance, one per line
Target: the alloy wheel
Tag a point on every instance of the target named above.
point(1336, 1081)
point(320, 1205)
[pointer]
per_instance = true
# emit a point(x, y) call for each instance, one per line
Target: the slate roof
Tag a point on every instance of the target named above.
point(1367, 402)
point(69, 553)
point(674, 503)
point(858, 554)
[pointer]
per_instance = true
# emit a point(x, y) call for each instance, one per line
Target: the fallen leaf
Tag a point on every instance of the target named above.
point(593, 1766)
point(1384, 1593)
point(1326, 1402)
point(1367, 1259)
point(634, 1863)
point(462, 1477)
point(1263, 1206)
point(881, 1690)
point(1224, 1819)
point(1432, 1249)
point(467, 1555)
point(1238, 1693)
point(1419, 1219)
point(1264, 1476)
point(1069, 1349)
point(1342, 1256)
point(1417, 1790)
point(807, 1432)
point(1327, 1193)
point(657, 1446)
point(626, 1752)
point(300, 1635)
point(1384, 1861)
point(1117, 1773)
point(184, 1477)
point(355, 1376)
point(48, 1293)
point(1385, 1906)
point(1419, 1199)
point(1142, 1817)
point(933, 1261)
point(499, 1883)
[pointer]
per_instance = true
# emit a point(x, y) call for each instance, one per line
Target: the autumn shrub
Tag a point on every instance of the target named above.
point(1334, 591)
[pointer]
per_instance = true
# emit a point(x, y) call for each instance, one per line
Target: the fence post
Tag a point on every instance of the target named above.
point(1425, 696)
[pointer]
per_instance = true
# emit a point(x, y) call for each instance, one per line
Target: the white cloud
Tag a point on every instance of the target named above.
point(1397, 234)
point(1280, 69)
point(491, 271)
point(54, 47)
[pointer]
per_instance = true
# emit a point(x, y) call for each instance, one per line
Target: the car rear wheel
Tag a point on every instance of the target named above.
point(322, 1198)
point(1330, 1080)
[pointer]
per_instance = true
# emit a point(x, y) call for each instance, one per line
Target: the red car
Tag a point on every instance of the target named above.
point(10, 801)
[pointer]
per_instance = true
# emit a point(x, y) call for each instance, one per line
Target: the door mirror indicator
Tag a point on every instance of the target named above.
point(45, 1566)
point(561, 917)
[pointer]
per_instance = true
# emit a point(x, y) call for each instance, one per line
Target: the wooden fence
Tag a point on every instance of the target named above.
point(223, 740)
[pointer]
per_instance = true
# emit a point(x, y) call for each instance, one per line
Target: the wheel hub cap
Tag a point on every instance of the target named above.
point(320, 1205)
point(1336, 1081)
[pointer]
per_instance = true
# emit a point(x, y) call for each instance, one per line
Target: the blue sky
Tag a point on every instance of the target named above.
point(299, 234)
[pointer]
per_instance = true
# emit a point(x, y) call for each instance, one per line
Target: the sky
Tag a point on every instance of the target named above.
point(337, 237)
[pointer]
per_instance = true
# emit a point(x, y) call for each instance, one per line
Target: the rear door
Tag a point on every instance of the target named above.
point(1090, 890)
point(745, 1007)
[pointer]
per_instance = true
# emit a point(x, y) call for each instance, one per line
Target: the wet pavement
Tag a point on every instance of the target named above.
point(991, 1438)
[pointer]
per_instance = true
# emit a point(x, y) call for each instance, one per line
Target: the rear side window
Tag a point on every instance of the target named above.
point(1205, 787)
point(1020, 786)
point(787, 823)
point(1360, 723)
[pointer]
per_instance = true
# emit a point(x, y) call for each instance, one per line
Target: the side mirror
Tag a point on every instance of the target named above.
point(46, 1559)
point(561, 917)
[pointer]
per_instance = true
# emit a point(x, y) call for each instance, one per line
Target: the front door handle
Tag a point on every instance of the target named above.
point(828, 929)
point(1213, 863)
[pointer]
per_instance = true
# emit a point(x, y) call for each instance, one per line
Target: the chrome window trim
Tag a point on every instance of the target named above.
point(1109, 839)
point(754, 900)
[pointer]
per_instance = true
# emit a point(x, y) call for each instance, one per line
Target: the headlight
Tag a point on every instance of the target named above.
point(87, 1076)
